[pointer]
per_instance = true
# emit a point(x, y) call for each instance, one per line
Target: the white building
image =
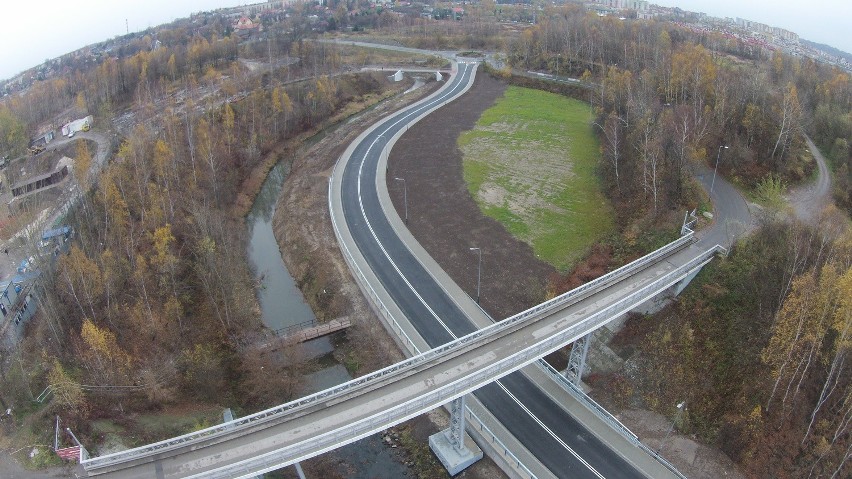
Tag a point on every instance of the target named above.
point(638, 5)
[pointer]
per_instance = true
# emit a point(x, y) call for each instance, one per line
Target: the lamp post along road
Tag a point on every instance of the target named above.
point(680, 408)
point(718, 154)
point(404, 196)
point(478, 272)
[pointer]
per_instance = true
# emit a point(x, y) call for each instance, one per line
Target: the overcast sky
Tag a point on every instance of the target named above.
point(35, 32)
point(822, 21)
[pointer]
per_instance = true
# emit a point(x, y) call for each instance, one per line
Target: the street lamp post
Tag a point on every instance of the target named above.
point(680, 408)
point(404, 197)
point(558, 56)
point(718, 154)
point(478, 272)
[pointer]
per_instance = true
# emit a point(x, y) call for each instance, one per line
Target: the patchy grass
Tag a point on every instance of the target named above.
point(530, 164)
point(111, 435)
point(365, 56)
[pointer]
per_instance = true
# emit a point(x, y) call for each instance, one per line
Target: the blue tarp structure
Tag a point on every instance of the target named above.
point(63, 231)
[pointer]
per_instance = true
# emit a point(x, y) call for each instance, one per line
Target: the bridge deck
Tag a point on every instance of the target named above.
point(318, 426)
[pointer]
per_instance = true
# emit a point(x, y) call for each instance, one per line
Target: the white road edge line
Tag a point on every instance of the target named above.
point(364, 213)
point(431, 311)
point(549, 431)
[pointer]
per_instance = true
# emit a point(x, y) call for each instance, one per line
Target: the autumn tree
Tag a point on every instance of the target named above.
point(202, 372)
point(67, 392)
point(106, 361)
point(789, 121)
point(810, 345)
point(13, 134)
point(82, 280)
point(83, 165)
point(273, 376)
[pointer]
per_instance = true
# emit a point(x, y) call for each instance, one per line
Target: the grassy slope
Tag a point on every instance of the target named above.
point(530, 164)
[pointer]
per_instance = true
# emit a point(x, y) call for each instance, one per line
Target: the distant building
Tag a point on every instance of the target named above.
point(244, 26)
point(258, 8)
point(17, 306)
point(82, 124)
point(44, 139)
point(638, 5)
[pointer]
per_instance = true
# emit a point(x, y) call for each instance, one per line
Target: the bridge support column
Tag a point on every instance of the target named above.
point(577, 359)
point(454, 448)
point(682, 284)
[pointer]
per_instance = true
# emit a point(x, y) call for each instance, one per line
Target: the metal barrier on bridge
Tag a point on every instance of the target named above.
point(603, 414)
point(421, 403)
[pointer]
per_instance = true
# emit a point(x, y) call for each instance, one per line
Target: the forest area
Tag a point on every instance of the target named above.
point(666, 97)
point(155, 296)
point(759, 350)
point(155, 303)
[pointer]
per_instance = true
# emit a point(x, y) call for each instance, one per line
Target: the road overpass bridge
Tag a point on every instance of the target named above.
point(329, 419)
point(474, 361)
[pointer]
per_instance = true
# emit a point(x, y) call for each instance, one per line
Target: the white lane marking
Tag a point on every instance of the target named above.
point(439, 99)
point(431, 311)
point(549, 431)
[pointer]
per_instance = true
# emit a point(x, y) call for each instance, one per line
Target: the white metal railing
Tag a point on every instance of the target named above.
point(474, 422)
point(464, 385)
point(484, 430)
point(403, 367)
point(614, 275)
point(603, 414)
point(586, 400)
point(424, 402)
point(362, 279)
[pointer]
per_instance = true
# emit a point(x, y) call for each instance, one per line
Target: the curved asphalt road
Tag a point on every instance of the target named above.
point(547, 430)
point(732, 217)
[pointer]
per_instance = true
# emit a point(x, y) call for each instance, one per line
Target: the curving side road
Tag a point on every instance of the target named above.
point(809, 201)
point(559, 442)
point(733, 217)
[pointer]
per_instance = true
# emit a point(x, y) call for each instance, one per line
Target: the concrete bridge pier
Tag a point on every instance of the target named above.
point(577, 359)
point(454, 448)
point(682, 284)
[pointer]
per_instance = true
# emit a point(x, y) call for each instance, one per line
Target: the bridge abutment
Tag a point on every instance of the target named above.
point(579, 363)
point(454, 448)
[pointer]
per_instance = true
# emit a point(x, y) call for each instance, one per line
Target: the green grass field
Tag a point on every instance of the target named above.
point(530, 164)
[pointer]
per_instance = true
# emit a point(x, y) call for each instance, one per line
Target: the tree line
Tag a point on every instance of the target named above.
point(758, 349)
point(155, 298)
point(667, 97)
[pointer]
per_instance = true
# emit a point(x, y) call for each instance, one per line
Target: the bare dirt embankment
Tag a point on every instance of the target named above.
point(446, 220)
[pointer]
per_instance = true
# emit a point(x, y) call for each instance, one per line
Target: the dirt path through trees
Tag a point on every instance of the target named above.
point(808, 201)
